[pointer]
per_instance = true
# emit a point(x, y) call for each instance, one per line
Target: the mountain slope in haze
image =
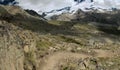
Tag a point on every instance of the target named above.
point(110, 17)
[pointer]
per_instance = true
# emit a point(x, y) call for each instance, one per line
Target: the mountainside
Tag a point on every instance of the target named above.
point(17, 38)
point(29, 42)
point(110, 17)
point(13, 40)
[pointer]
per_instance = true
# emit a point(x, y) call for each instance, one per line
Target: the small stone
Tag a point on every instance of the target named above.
point(79, 48)
point(26, 48)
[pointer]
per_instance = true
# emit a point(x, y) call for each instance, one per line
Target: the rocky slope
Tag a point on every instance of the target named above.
point(14, 43)
point(28, 42)
point(110, 17)
point(17, 44)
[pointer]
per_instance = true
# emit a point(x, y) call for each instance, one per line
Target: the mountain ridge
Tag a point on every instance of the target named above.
point(85, 5)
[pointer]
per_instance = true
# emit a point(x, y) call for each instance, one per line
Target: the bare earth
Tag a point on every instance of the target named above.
point(52, 60)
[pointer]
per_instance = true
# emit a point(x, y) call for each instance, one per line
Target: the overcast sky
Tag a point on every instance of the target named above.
point(44, 5)
point(47, 5)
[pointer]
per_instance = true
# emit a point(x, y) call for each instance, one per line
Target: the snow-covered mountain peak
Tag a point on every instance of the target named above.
point(85, 5)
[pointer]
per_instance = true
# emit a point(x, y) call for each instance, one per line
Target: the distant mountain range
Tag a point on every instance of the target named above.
point(84, 5)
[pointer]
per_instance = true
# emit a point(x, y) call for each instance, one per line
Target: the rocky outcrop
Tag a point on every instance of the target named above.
point(33, 13)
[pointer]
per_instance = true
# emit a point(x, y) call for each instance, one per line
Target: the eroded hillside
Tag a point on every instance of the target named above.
point(28, 42)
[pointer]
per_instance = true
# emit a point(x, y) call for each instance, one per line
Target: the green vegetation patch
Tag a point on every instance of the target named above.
point(2, 10)
point(43, 44)
point(70, 40)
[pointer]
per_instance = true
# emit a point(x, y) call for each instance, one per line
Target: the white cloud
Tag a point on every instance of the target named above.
point(44, 5)
point(47, 5)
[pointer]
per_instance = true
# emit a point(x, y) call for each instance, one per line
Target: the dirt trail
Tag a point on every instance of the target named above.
point(103, 53)
point(52, 60)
